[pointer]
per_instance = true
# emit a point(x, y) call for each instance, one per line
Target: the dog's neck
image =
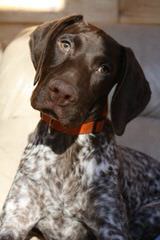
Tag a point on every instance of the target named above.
point(89, 126)
point(93, 124)
point(52, 133)
point(61, 142)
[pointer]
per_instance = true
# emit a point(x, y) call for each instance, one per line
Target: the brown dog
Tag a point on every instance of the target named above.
point(77, 65)
point(74, 182)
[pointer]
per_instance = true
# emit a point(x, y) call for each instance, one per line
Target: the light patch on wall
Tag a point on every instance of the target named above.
point(33, 5)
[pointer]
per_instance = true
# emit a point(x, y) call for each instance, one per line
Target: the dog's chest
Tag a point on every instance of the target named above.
point(65, 179)
point(65, 182)
point(69, 182)
point(66, 201)
point(66, 192)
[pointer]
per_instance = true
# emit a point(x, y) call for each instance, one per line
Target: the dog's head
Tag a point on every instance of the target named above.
point(77, 64)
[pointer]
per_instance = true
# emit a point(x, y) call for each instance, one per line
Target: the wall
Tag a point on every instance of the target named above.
point(97, 11)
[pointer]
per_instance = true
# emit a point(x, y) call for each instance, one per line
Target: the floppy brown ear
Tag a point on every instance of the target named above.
point(38, 40)
point(41, 41)
point(131, 94)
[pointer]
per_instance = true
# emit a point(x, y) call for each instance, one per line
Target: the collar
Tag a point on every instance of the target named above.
point(90, 126)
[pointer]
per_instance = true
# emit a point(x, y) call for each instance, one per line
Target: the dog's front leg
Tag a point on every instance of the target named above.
point(106, 212)
point(21, 210)
point(22, 207)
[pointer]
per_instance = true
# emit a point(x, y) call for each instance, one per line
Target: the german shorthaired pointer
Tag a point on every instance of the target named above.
point(74, 182)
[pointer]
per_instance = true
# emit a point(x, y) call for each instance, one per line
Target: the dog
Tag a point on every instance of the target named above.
point(74, 182)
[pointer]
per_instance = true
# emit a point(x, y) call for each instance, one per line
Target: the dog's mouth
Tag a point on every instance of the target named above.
point(68, 118)
point(50, 113)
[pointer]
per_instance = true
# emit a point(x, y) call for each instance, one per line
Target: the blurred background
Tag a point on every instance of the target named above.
point(18, 14)
point(133, 23)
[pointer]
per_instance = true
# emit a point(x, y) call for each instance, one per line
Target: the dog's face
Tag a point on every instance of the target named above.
point(76, 66)
point(81, 65)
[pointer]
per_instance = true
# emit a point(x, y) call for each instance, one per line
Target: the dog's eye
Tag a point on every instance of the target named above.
point(65, 45)
point(103, 69)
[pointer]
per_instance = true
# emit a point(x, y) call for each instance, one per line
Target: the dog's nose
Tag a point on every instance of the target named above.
point(62, 93)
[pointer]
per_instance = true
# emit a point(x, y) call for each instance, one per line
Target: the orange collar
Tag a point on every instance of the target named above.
point(86, 128)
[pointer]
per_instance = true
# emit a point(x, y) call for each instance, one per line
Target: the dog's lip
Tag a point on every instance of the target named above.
point(54, 115)
point(68, 121)
point(51, 113)
point(53, 110)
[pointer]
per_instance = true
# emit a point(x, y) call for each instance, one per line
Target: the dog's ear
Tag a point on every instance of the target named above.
point(41, 41)
point(132, 92)
point(38, 40)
